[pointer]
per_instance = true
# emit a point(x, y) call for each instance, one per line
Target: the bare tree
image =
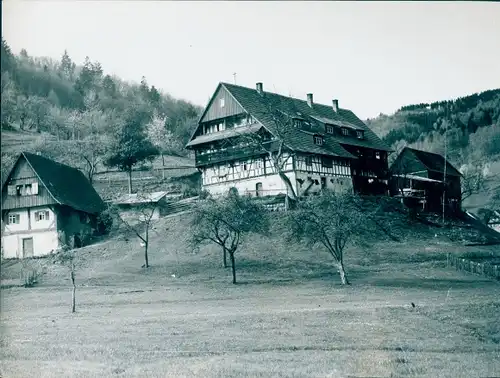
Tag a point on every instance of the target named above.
point(160, 137)
point(68, 258)
point(225, 222)
point(139, 220)
point(275, 143)
point(330, 220)
point(472, 181)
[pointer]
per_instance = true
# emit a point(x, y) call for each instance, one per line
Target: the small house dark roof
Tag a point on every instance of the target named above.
point(435, 162)
point(67, 185)
point(259, 106)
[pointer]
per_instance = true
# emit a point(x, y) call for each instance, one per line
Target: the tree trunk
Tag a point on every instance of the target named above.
point(130, 180)
point(163, 166)
point(73, 295)
point(288, 184)
point(233, 266)
point(146, 248)
point(225, 256)
point(343, 276)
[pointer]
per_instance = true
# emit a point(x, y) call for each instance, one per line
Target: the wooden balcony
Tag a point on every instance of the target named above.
point(227, 155)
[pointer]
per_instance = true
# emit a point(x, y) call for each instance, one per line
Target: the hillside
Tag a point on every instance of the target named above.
point(472, 125)
point(288, 317)
point(73, 113)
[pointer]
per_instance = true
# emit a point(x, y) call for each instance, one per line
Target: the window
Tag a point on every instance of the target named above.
point(318, 140)
point(377, 155)
point(309, 161)
point(345, 131)
point(27, 189)
point(14, 219)
point(19, 190)
point(326, 162)
point(244, 167)
point(359, 134)
point(11, 190)
point(41, 216)
point(329, 129)
point(222, 102)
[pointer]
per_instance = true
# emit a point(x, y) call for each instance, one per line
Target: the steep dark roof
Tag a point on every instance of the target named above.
point(66, 184)
point(258, 105)
point(435, 162)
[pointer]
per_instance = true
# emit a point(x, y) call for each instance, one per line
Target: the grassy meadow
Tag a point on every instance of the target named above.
point(287, 317)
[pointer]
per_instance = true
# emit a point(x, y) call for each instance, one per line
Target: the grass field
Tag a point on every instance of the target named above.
point(288, 316)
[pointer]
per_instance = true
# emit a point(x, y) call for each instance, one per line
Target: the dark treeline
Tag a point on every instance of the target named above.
point(472, 126)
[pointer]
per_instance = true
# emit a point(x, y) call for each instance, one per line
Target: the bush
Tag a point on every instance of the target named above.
point(31, 271)
point(104, 223)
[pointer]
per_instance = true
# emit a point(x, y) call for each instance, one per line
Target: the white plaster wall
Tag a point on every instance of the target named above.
point(42, 224)
point(340, 184)
point(271, 185)
point(44, 242)
point(134, 217)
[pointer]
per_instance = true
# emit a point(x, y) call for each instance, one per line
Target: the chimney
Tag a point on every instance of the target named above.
point(310, 100)
point(259, 88)
point(335, 106)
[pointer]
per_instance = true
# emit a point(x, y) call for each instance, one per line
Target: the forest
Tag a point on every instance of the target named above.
point(82, 115)
point(471, 125)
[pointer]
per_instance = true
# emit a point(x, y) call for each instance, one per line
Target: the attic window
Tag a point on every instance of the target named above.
point(345, 131)
point(377, 155)
point(318, 139)
point(360, 134)
point(329, 129)
point(222, 102)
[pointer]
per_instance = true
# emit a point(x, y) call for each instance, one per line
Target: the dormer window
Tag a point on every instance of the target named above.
point(329, 129)
point(318, 140)
point(345, 131)
point(360, 134)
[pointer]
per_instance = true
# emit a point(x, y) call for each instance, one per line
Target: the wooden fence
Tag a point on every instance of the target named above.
point(481, 268)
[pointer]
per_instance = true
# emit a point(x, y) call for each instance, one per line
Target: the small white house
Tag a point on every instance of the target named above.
point(45, 204)
point(135, 207)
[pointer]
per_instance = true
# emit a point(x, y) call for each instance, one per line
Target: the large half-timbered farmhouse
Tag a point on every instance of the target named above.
point(325, 146)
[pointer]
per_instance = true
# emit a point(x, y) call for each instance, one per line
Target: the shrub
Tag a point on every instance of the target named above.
point(104, 223)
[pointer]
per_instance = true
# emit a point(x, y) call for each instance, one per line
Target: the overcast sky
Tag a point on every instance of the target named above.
point(373, 57)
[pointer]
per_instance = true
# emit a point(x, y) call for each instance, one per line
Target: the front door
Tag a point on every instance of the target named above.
point(258, 189)
point(28, 247)
point(323, 182)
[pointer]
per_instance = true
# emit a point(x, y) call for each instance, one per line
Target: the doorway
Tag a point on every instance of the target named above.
point(323, 183)
point(258, 189)
point(27, 247)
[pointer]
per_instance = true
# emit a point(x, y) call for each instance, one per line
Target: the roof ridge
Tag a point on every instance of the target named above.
point(50, 160)
point(280, 95)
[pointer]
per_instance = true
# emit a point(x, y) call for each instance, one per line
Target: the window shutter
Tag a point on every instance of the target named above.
point(11, 190)
point(34, 188)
